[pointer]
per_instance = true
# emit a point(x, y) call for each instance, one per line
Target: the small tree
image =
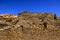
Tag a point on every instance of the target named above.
point(19, 13)
point(55, 17)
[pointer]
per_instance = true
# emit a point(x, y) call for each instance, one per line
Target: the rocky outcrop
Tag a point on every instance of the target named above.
point(30, 26)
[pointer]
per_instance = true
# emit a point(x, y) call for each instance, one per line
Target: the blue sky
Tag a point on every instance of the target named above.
point(16, 6)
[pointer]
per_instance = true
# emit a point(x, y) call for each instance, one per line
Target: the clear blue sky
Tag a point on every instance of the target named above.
point(15, 6)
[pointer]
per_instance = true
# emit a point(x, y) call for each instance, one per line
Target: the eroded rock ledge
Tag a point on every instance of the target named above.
point(30, 26)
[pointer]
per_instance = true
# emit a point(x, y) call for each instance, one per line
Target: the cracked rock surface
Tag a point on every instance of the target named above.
point(30, 26)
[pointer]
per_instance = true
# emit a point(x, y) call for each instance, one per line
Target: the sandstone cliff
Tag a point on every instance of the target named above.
point(30, 26)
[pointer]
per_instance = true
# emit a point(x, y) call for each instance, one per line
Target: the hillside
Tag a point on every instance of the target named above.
point(30, 26)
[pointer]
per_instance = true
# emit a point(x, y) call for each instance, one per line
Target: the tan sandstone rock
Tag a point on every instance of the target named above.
point(30, 26)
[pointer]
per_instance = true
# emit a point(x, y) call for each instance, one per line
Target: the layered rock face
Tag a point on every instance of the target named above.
point(30, 26)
